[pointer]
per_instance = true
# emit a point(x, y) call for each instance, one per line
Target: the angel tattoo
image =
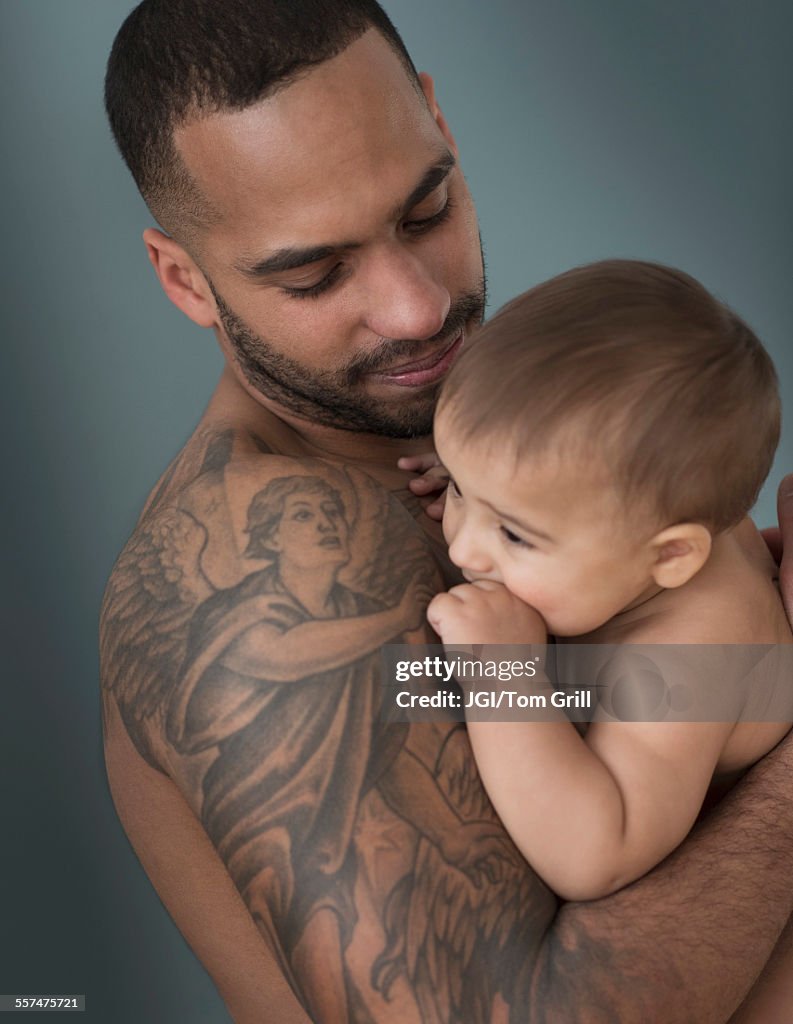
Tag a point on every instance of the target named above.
point(273, 684)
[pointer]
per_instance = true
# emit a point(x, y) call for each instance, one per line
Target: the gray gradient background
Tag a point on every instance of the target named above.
point(653, 128)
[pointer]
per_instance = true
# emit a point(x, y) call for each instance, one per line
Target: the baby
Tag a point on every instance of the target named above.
point(605, 436)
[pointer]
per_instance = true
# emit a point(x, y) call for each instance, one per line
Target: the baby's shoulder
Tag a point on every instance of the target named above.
point(733, 599)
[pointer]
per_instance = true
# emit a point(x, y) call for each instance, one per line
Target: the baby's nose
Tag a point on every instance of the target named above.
point(468, 555)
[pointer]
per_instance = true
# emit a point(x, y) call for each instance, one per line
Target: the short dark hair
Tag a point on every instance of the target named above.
point(176, 59)
point(637, 368)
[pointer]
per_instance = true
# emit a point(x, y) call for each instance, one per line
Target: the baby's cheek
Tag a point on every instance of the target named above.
point(531, 591)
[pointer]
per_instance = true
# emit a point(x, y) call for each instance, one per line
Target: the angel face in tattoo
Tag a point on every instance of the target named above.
point(316, 531)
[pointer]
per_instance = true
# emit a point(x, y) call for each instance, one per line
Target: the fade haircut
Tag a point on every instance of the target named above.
point(635, 368)
point(176, 60)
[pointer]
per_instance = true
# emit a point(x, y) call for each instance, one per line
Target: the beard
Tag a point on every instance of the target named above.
point(334, 398)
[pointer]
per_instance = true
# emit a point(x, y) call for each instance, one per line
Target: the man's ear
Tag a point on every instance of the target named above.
point(181, 280)
point(428, 88)
point(679, 552)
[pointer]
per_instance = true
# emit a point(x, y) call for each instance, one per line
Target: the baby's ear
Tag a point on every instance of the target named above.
point(679, 552)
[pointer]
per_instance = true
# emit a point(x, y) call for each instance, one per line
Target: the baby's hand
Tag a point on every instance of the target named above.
point(484, 612)
point(433, 481)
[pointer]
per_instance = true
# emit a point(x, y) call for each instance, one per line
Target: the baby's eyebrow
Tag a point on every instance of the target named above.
point(519, 523)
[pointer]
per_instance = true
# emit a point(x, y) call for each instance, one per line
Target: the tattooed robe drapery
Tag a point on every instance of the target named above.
point(294, 757)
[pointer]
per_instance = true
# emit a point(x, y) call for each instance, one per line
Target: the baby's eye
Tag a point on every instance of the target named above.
point(513, 538)
point(454, 490)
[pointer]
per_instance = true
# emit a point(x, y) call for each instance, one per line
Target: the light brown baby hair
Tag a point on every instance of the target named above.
point(633, 366)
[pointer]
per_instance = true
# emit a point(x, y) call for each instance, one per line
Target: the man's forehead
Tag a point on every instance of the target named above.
point(348, 121)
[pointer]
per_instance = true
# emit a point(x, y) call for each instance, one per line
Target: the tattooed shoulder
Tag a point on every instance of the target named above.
point(220, 531)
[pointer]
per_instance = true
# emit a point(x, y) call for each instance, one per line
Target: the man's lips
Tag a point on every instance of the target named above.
point(426, 370)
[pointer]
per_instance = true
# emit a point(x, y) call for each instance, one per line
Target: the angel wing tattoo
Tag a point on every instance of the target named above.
point(452, 934)
point(157, 584)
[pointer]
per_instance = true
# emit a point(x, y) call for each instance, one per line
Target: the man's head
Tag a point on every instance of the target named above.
point(309, 185)
point(617, 417)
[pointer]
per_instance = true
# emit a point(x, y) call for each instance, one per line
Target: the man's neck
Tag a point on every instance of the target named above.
point(294, 436)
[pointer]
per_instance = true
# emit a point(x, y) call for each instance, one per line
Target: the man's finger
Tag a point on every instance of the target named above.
point(772, 535)
point(784, 506)
point(785, 512)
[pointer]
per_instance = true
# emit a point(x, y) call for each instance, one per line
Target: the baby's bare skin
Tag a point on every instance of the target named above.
point(540, 542)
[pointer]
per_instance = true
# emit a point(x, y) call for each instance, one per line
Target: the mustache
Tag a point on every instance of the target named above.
point(391, 350)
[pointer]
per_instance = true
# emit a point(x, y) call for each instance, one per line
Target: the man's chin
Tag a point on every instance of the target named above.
point(380, 410)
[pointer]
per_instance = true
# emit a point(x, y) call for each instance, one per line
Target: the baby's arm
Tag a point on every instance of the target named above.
point(589, 814)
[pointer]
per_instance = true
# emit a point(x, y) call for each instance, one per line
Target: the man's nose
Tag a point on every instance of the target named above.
point(405, 301)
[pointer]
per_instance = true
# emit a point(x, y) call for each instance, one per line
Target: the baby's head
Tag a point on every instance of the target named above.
point(600, 430)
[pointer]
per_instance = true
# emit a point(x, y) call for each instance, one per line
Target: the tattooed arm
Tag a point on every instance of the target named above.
point(334, 825)
point(265, 652)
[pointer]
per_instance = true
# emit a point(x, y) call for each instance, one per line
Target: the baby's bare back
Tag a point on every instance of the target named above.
point(733, 600)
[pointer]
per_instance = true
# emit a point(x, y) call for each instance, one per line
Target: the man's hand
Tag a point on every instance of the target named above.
point(431, 484)
point(484, 612)
point(780, 542)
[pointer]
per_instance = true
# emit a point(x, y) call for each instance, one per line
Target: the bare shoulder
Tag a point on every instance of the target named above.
point(715, 650)
point(225, 524)
point(733, 599)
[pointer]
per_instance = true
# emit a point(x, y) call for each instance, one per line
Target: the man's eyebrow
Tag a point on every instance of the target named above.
point(291, 258)
point(432, 178)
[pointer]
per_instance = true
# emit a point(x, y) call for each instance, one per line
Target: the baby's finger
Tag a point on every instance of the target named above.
point(489, 585)
point(418, 463)
point(435, 509)
point(426, 484)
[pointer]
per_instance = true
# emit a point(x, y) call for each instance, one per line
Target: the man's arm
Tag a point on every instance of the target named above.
point(195, 887)
point(686, 942)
